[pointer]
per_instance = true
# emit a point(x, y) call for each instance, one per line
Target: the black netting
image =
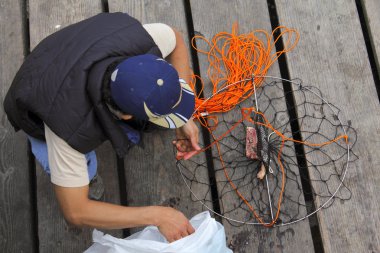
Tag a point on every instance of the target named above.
point(311, 182)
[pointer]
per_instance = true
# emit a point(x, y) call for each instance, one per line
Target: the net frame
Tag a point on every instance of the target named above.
point(296, 84)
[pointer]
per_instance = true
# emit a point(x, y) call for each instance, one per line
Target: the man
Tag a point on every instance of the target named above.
point(96, 80)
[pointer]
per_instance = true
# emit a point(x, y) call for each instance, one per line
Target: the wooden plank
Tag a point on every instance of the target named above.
point(150, 11)
point(151, 174)
point(250, 15)
point(16, 232)
point(55, 235)
point(46, 17)
point(332, 56)
point(371, 9)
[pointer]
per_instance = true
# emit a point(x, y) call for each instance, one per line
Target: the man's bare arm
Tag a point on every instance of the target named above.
point(180, 60)
point(81, 211)
point(179, 57)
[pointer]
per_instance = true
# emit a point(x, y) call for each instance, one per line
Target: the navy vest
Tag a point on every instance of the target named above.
point(60, 82)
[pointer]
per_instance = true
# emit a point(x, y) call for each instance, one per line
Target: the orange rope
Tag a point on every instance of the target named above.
point(232, 58)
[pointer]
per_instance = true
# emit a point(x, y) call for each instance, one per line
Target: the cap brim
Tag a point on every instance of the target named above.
point(181, 113)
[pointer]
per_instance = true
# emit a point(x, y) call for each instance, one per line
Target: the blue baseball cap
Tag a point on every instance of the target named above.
point(148, 88)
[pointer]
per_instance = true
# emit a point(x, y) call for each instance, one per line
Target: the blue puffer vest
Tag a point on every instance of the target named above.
point(60, 82)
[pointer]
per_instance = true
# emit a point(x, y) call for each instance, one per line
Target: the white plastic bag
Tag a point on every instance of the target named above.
point(209, 237)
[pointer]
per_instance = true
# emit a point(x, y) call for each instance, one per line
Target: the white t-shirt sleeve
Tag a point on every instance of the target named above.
point(164, 37)
point(68, 167)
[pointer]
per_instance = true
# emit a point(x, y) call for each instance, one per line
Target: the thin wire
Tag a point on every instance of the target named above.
point(266, 175)
point(269, 197)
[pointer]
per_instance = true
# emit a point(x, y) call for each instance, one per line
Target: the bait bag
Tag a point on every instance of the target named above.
point(209, 236)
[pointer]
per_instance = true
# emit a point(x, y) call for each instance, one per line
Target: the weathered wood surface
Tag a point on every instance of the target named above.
point(151, 174)
point(55, 235)
point(46, 17)
point(16, 232)
point(248, 238)
point(371, 10)
point(332, 56)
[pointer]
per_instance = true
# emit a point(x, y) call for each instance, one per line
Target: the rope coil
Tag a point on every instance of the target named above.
point(234, 57)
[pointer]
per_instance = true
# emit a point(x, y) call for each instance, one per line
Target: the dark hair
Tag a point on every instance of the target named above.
point(106, 89)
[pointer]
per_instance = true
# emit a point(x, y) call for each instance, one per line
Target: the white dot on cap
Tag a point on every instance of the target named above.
point(160, 82)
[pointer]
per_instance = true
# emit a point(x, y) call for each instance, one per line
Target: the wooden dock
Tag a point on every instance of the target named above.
point(339, 52)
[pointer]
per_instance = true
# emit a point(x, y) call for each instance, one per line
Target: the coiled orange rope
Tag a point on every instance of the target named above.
point(234, 57)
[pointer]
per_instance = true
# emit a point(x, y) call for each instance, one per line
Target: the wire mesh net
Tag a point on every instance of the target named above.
point(295, 167)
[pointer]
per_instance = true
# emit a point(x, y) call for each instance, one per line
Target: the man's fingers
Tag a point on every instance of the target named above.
point(194, 142)
point(182, 145)
point(180, 155)
point(184, 234)
point(188, 155)
point(190, 229)
point(177, 237)
point(185, 155)
point(186, 148)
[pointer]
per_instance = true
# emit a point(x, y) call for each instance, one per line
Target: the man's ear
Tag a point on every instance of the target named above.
point(126, 116)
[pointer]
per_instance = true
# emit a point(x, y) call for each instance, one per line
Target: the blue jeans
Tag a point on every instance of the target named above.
point(39, 150)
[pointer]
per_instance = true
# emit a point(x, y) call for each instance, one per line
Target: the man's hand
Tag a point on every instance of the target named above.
point(172, 224)
point(187, 140)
